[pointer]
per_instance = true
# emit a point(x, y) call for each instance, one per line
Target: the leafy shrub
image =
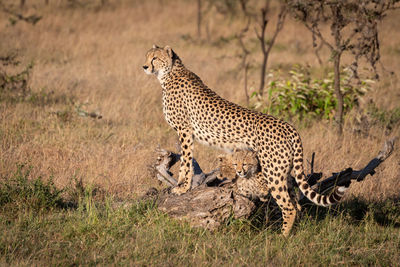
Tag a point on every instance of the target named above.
point(13, 87)
point(300, 96)
point(386, 118)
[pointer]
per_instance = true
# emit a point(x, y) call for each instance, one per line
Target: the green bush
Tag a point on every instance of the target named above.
point(386, 118)
point(300, 96)
point(14, 87)
point(21, 192)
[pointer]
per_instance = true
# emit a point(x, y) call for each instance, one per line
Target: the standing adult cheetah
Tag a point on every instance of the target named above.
point(197, 112)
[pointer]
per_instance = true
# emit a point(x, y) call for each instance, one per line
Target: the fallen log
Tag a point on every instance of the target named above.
point(347, 175)
point(211, 201)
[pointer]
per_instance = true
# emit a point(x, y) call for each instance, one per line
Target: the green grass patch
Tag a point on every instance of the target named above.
point(38, 227)
point(19, 193)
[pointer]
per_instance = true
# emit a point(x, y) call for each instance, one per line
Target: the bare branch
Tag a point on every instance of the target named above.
point(349, 174)
point(32, 19)
point(279, 27)
point(316, 32)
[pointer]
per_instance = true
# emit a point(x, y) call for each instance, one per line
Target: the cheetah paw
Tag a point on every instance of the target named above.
point(298, 206)
point(179, 190)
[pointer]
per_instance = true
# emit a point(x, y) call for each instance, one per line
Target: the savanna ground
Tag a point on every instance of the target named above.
point(88, 59)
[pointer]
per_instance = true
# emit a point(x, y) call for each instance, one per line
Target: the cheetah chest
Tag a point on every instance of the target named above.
point(173, 109)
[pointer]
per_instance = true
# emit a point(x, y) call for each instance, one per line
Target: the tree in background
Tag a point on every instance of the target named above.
point(353, 27)
point(257, 17)
point(261, 16)
point(266, 46)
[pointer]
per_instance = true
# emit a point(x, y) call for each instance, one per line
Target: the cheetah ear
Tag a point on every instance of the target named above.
point(155, 46)
point(169, 51)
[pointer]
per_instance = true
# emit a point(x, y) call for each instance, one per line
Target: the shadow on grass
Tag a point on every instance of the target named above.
point(384, 213)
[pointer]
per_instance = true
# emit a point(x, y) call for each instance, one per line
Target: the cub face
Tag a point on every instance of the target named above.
point(245, 163)
point(158, 61)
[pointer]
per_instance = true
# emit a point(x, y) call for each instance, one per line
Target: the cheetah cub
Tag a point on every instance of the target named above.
point(240, 163)
point(244, 169)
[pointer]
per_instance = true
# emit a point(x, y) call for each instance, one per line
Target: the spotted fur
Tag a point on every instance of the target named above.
point(197, 112)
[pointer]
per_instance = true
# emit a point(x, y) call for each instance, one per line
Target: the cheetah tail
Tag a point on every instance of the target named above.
point(319, 199)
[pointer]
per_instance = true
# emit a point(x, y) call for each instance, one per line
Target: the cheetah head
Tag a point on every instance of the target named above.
point(240, 163)
point(159, 61)
point(245, 163)
point(243, 170)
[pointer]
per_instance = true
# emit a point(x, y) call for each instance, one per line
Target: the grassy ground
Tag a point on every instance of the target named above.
point(40, 228)
point(87, 59)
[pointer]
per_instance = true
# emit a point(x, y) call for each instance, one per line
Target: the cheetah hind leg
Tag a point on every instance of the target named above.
point(264, 191)
point(279, 191)
point(293, 196)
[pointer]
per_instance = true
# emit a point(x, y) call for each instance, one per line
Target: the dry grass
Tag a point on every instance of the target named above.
point(90, 58)
point(94, 55)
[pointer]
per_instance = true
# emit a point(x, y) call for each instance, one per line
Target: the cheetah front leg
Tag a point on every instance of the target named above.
point(186, 168)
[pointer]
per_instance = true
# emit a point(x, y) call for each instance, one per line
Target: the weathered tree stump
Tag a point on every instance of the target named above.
point(206, 206)
point(211, 201)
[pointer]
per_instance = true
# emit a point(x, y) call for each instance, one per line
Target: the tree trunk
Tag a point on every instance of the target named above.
point(338, 93)
point(245, 69)
point(199, 19)
point(266, 49)
point(263, 70)
point(261, 37)
point(336, 27)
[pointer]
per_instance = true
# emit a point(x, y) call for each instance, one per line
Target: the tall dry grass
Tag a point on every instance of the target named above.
point(94, 55)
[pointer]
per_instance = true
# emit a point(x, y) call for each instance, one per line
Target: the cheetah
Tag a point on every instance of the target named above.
point(244, 162)
point(243, 169)
point(196, 112)
point(248, 178)
point(240, 163)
